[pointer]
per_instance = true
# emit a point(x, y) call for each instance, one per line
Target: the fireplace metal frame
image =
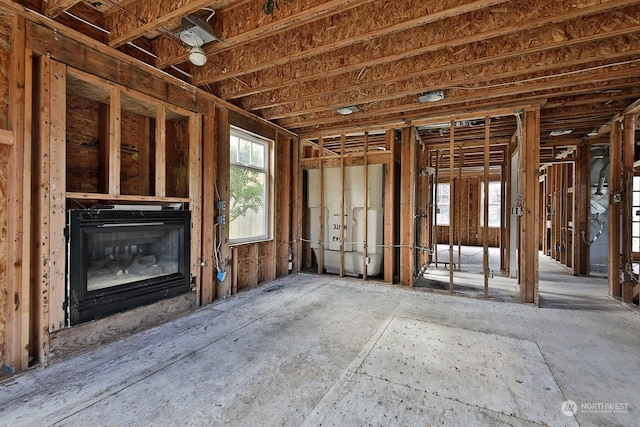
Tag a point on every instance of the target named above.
point(83, 305)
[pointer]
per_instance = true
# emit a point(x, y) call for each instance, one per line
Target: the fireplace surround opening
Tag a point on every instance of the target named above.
point(119, 259)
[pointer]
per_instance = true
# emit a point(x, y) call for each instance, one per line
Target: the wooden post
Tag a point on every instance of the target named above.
point(320, 236)
point(407, 206)
point(161, 151)
point(435, 206)
point(529, 221)
point(115, 138)
point(485, 228)
point(342, 213)
point(283, 210)
point(458, 198)
point(222, 184)
point(296, 206)
point(505, 212)
point(582, 194)
point(615, 208)
point(365, 213)
point(389, 211)
point(143, 156)
point(57, 191)
point(627, 206)
point(17, 325)
point(195, 197)
point(42, 210)
point(451, 204)
point(209, 157)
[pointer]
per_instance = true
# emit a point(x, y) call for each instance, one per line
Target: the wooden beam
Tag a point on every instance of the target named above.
point(246, 22)
point(485, 228)
point(482, 98)
point(57, 194)
point(389, 210)
point(407, 17)
point(161, 151)
point(407, 206)
point(224, 287)
point(365, 213)
point(196, 197)
point(380, 59)
point(548, 63)
point(42, 209)
point(628, 156)
point(137, 17)
point(17, 322)
point(615, 208)
point(6, 137)
point(529, 237)
point(209, 156)
point(321, 219)
point(53, 8)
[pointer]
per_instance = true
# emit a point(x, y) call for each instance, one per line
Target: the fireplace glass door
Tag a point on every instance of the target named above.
point(122, 259)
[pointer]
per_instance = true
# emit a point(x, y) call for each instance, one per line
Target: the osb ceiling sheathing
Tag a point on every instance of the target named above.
point(295, 62)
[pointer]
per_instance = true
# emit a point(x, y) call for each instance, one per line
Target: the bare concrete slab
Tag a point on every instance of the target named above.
point(319, 350)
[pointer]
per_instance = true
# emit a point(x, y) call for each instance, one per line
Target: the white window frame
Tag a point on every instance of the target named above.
point(267, 169)
point(499, 204)
point(438, 197)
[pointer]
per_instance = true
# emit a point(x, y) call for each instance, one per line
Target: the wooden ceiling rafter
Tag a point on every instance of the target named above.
point(516, 70)
point(246, 23)
point(53, 8)
point(399, 47)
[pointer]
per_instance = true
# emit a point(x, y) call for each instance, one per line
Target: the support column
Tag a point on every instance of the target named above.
point(615, 208)
point(529, 237)
point(581, 191)
point(628, 282)
point(407, 205)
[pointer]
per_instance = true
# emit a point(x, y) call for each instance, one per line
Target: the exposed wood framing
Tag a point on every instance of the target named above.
point(365, 212)
point(195, 195)
point(407, 206)
point(342, 211)
point(529, 237)
point(222, 181)
point(389, 211)
point(452, 211)
point(161, 151)
point(209, 162)
point(296, 206)
point(53, 8)
point(57, 194)
point(6, 137)
point(581, 210)
point(615, 209)
point(485, 228)
point(18, 219)
point(321, 220)
point(42, 210)
point(114, 142)
point(284, 170)
point(144, 156)
point(628, 156)
point(246, 23)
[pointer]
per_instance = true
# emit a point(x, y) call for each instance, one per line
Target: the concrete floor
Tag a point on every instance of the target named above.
point(319, 350)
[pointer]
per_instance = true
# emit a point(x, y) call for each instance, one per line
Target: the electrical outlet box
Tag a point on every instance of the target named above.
point(221, 205)
point(221, 276)
point(221, 219)
point(516, 210)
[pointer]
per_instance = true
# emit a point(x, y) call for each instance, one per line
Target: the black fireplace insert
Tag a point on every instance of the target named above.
point(121, 259)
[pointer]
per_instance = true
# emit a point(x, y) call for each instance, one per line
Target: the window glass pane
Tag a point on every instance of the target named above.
point(636, 198)
point(249, 213)
point(495, 205)
point(257, 155)
point(234, 148)
point(244, 153)
point(442, 201)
